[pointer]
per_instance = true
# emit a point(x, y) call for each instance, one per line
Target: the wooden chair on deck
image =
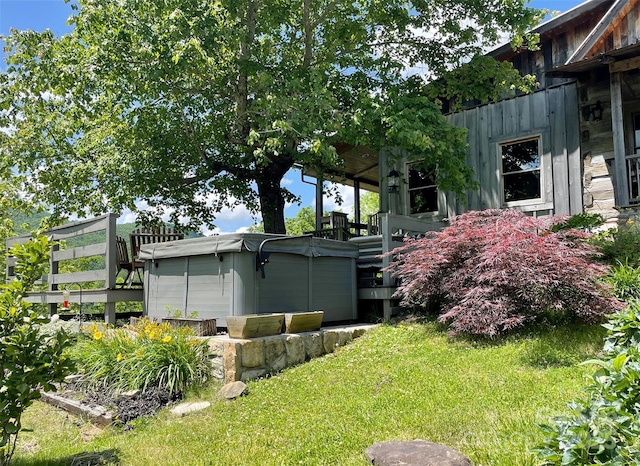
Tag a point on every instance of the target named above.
point(141, 237)
point(122, 259)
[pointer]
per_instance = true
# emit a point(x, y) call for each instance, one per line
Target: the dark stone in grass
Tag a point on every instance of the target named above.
point(233, 390)
point(414, 453)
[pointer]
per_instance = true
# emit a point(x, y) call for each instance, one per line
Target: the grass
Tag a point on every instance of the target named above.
point(396, 383)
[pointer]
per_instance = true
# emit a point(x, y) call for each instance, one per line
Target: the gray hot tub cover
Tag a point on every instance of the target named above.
point(238, 242)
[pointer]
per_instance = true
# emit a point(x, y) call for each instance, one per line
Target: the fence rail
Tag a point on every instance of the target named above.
point(99, 285)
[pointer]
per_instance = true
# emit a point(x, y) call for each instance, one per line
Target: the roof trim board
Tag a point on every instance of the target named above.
point(598, 32)
point(554, 23)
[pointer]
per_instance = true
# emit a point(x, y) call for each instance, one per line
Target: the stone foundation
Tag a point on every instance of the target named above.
point(236, 359)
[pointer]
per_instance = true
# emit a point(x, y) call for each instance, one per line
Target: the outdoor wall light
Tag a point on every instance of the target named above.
point(393, 181)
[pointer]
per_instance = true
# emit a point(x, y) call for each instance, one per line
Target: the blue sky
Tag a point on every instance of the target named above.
point(52, 14)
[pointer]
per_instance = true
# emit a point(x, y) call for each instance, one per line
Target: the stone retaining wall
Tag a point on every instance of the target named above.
point(236, 359)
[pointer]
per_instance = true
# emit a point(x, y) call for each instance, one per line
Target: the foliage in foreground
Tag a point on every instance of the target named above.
point(491, 271)
point(621, 245)
point(604, 428)
point(149, 354)
point(30, 360)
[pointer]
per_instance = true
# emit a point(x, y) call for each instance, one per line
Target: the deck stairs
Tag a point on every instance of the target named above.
point(374, 283)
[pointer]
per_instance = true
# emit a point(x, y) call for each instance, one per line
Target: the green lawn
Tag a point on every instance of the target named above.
point(400, 382)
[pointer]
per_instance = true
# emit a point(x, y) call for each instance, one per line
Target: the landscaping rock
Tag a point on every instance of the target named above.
point(232, 360)
point(190, 407)
point(233, 390)
point(330, 341)
point(273, 349)
point(313, 345)
point(131, 393)
point(414, 453)
point(294, 346)
point(253, 353)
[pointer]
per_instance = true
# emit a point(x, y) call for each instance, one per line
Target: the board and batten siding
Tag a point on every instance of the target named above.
point(551, 115)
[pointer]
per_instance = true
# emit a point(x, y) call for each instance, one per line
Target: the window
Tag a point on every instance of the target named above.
point(423, 192)
point(521, 170)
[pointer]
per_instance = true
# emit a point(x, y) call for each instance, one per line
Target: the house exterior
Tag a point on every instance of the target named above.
point(571, 146)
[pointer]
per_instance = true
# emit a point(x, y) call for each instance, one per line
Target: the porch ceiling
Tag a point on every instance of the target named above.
point(360, 164)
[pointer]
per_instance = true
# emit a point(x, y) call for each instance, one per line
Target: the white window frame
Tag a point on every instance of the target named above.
point(540, 169)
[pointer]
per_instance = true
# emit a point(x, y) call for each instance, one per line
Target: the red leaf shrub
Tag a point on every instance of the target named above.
point(495, 270)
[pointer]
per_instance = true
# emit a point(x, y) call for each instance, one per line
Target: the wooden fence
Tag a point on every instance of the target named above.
point(104, 230)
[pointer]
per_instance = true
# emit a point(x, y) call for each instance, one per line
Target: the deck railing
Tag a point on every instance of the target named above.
point(93, 286)
point(633, 178)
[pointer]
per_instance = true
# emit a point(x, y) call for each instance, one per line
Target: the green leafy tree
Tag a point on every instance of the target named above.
point(369, 205)
point(30, 359)
point(305, 220)
point(197, 105)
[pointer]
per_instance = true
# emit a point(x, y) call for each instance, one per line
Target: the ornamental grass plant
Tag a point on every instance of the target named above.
point(148, 354)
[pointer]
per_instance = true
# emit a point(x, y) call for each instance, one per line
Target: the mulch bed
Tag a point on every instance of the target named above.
point(124, 407)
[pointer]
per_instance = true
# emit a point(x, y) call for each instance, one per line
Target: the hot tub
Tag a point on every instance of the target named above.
point(217, 276)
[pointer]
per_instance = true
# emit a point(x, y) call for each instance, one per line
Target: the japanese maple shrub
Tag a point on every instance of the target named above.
point(492, 271)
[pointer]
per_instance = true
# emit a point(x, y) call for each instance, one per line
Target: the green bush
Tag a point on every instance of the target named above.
point(582, 222)
point(625, 281)
point(30, 360)
point(148, 354)
point(620, 246)
point(604, 428)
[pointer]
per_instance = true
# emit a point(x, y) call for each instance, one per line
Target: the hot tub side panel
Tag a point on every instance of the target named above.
point(192, 284)
point(165, 286)
point(286, 285)
point(244, 284)
point(333, 288)
point(209, 286)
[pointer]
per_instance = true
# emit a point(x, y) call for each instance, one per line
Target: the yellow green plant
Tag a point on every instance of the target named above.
point(147, 354)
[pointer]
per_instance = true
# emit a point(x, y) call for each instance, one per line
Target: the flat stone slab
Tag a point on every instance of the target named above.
point(414, 453)
point(233, 390)
point(190, 407)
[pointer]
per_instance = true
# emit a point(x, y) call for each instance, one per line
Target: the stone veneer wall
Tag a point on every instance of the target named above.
point(236, 359)
point(598, 189)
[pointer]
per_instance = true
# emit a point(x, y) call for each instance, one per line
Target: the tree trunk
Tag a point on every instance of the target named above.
point(271, 204)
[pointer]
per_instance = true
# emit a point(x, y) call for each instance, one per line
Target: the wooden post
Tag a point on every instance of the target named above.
point(53, 271)
point(619, 152)
point(111, 269)
point(110, 313)
point(319, 207)
point(356, 203)
point(387, 245)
